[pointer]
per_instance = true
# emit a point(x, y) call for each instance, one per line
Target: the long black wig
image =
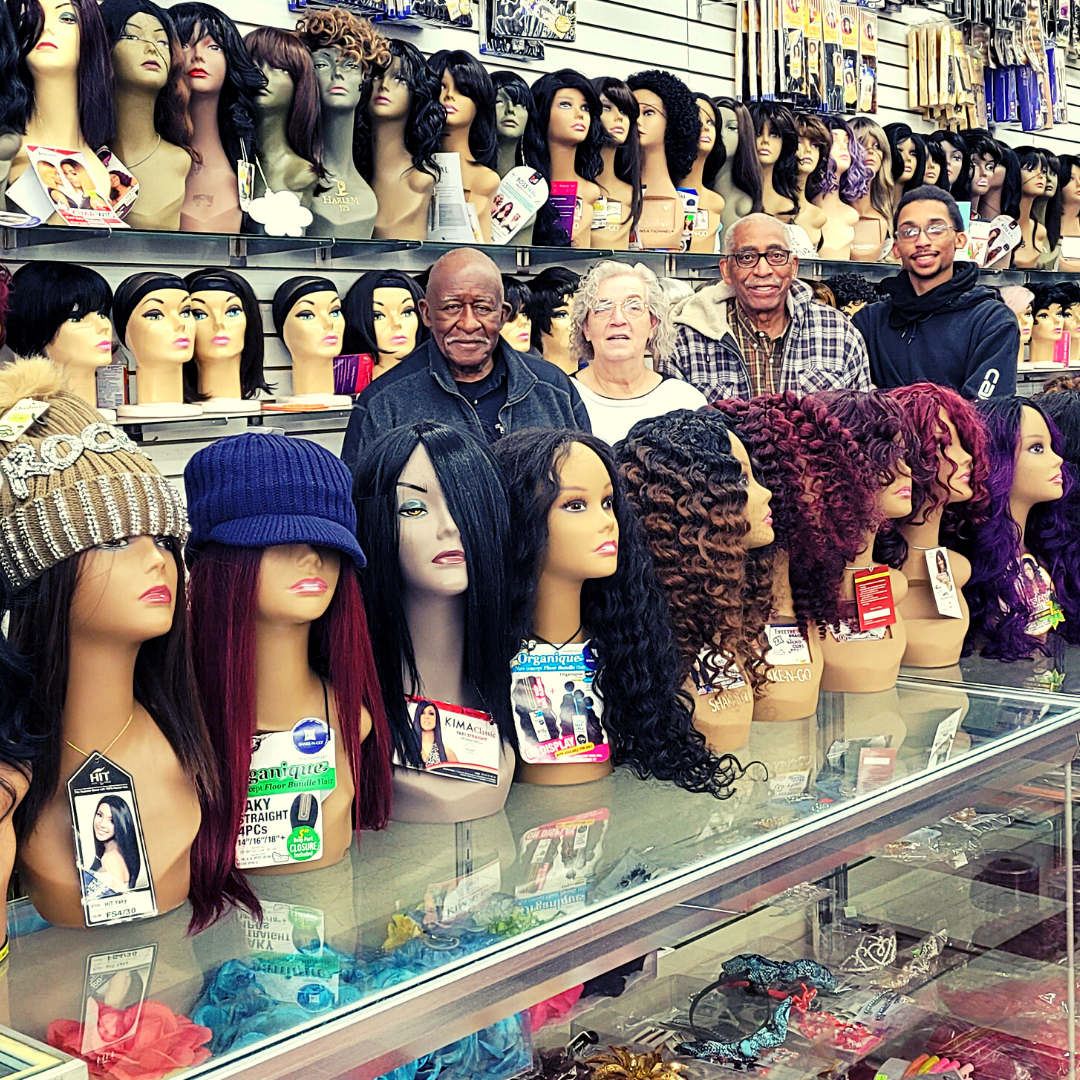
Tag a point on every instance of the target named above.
point(472, 80)
point(781, 121)
point(960, 189)
point(358, 304)
point(647, 718)
point(1056, 209)
point(476, 495)
point(44, 295)
point(14, 95)
point(718, 154)
point(627, 156)
point(898, 133)
point(745, 164)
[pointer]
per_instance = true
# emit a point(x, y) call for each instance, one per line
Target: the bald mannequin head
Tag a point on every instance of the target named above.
point(465, 309)
point(761, 290)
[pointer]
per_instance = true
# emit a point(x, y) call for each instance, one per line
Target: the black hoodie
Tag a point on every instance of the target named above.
point(959, 334)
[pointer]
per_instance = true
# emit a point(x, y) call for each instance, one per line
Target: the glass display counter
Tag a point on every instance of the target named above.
point(429, 933)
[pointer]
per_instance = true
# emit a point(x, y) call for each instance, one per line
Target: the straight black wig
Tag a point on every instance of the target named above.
point(472, 81)
point(1056, 208)
point(44, 295)
point(517, 90)
point(358, 305)
point(476, 495)
point(898, 133)
point(550, 290)
point(14, 94)
point(961, 186)
point(627, 156)
point(718, 154)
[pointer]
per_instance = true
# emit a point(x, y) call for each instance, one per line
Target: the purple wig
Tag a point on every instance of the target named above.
point(855, 183)
point(1000, 612)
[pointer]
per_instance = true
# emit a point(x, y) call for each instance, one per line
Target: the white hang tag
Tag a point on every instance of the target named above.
point(121, 979)
point(942, 583)
point(847, 632)
point(280, 213)
point(110, 853)
point(20, 417)
point(787, 646)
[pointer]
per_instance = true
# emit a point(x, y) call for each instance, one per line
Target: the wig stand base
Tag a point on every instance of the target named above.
point(162, 410)
point(561, 775)
point(109, 414)
point(315, 401)
point(231, 406)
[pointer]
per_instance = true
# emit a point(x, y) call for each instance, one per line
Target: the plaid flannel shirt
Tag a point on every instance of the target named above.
point(823, 351)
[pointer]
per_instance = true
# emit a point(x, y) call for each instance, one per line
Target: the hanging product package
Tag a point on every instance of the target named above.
point(833, 64)
point(868, 29)
point(793, 29)
point(815, 54)
point(849, 39)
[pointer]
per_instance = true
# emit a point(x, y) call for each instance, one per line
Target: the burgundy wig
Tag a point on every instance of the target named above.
point(824, 492)
point(224, 588)
point(1000, 612)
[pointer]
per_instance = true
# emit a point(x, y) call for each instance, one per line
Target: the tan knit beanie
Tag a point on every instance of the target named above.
point(72, 481)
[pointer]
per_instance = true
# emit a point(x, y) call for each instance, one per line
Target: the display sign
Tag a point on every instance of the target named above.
point(460, 743)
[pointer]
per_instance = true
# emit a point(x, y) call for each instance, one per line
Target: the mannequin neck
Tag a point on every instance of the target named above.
point(82, 381)
point(437, 629)
point(800, 187)
point(390, 156)
point(557, 356)
point(284, 681)
point(865, 207)
point(654, 172)
point(607, 156)
point(766, 177)
point(563, 161)
point(312, 375)
point(136, 135)
point(696, 179)
point(159, 382)
point(508, 149)
point(783, 605)
point(865, 555)
point(203, 110)
point(455, 140)
point(339, 126)
point(273, 135)
point(557, 616)
point(100, 690)
point(1019, 509)
point(220, 378)
point(1026, 203)
point(925, 533)
point(55, 117)
point(990, 205)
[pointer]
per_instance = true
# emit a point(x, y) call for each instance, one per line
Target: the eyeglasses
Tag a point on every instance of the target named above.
point(747, 260)
point(933, 230)
point(631, 309)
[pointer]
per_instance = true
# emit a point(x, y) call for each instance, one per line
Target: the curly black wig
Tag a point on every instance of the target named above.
point(683, 121)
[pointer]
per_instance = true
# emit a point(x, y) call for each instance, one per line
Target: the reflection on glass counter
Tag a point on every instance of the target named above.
point(142, 999)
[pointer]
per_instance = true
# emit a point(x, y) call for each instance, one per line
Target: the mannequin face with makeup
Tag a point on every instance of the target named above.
point(314, 326)
point(1037, 477)
point(757, 512)
point(615, 120)
point(1051, 182)
point(204, 64)
point(517, 333)
point(161, 329)
point(729, 131)
point(396, 322)
point(340, 78)
point(984, 166)
point(1049, 324)
point(390, 93)
point(460, 110)
point(220, 322)
point(56, 50)
point(954, 157)
point(511, 119)
point(840, 154)
point(1026, 319)
point(430, 549)
point(569, 119)
point(809, 156)
point(894, 500)
point(297, 582)
point(707, 138)
point(142, 56)
point(908, 156)
point(277, 95)
point(583, 535)
point(1070, 193)
point(126, 592)
point(931, 172)
point(954, 456)
point(82, 341)
point(769, 145)
point(1033, 181)
point(1071, 318)
point(874, 153)
point(997, 178)
point(652, 120)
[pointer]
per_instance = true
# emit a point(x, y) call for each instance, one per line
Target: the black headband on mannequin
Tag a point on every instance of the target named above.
point(296, 289)
point(133, 289)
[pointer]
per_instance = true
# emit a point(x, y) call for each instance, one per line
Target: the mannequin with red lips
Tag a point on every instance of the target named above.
point(838, 230)
point(220, 335)
point(309, 319)
point(1018, 300)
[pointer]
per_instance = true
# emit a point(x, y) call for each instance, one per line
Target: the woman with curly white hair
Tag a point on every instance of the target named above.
point(620, 313)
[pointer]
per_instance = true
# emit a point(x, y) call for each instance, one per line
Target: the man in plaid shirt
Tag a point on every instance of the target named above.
point(760, 331)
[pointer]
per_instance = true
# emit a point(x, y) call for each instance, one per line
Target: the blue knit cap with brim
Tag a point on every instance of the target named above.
point(259, 490)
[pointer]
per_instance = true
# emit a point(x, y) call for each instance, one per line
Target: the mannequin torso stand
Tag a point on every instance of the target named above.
point(562, 171)
point(811, 219)
point(723, 716)
point(1026, 256)
point(662, 204)
point(792, 690)
point(870, 232)
point(704, 241)
point(403, 191)
point(934, 640)
point(347, 206)
point(437, 628)
point(220, 380)
point(1070, 226)
point(479, 182)
point(279, 165)
point(737, 204)
point(838, 228)
point(212, 196)
point(161, 392)
point(313, 383)
point(616, 236)
point(773, 203)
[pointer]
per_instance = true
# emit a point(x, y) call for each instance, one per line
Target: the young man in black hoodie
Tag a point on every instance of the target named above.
point(938, 324)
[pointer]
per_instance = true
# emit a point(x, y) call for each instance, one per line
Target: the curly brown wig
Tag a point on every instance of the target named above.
point(689, 494)
point(355, 37)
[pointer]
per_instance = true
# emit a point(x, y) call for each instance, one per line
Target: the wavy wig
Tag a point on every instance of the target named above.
point(647, 718)
point(824, 493)
point(745, 164)
point(94, 76)
point(171, 120)
point(1056, 209)
point(472, 81)
point(424, 122)
point(781, 122)
point(857, 179)
point(14, 94)
point(627, 156)
point(252, 379)
point(683, 120)
point(477, 497)
point(689, 493)
point(237, 118)
point(44, 295)
point(517, 90)
point(881, 186)
point(960, 188)
point(552, 289)
point(1000, 612)
point(224, 588)
point(1062, 404)
point(269, 47)
point(817, 134)
point(359, 306)
point(516, 293)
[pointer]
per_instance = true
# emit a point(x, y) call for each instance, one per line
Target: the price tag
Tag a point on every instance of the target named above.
point(787, 646)
point(942, 583)
point(20, 417)
point(846, 632)
point(873, 598)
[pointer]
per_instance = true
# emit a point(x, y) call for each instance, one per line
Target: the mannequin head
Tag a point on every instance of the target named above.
point(382, 316)
point(517, 330)
point(81, 53)
point(468, 97)
point(148, 58)
point(648, 723)
point(1061, 404)
point(549, 309)
point(619, 113)
point(736, 129)
point(218, 65)
point(705, 518)
point(514, 110)
point(800, 446)
point(936, 168)
point(812, 157)
point(908, 154)
point(466, 503)
point(878, 156)
point(668, 117)
point(243, 574)
point(228, 330)
point(1034, 171)
point(1048, 309)
point(308, 317)
point(711, 151)
point(291, 89)
point(61, 311)
point(958, 166)
point(152, 318)
point(405, 92)
point(1069, 294)
point(848, 171)
point(1018, 299)
point(985, 156)
point(777, 146)
point(1025, 450)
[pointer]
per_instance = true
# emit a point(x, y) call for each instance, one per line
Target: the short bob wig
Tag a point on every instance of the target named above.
point(935, 153)
point(473, 81)
point(553, 288)
point(477, 498)
point(781, 123)
point(683, 120)
point(517, 90)
point(94, 76)
point(359, 307)
point(627, 156)
point(171, 120)
point(661, 343)
point(424, 122)
point(44, 295)
point(252, 379)
point(283, 49)
point(745, 164)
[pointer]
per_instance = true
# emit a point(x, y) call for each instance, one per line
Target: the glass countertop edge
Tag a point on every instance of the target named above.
point(1042, 693)
point(652, 894)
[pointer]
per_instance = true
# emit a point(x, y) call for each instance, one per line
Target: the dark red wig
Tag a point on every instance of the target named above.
point(224, 589)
